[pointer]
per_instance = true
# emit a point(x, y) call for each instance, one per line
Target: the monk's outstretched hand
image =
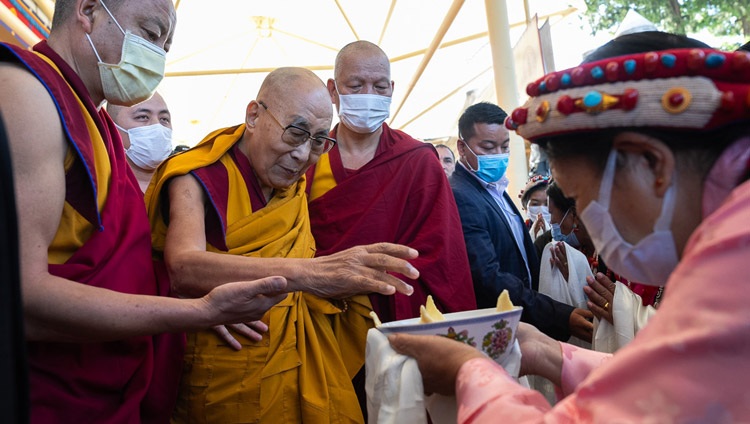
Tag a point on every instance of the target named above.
point(243, 301)
point(362, 270)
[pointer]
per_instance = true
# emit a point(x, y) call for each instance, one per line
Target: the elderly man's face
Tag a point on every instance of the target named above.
point(276, 163)
point(446, 160)
point(363, 73)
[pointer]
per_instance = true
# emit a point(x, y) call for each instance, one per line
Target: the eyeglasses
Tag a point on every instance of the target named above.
point(296, 136)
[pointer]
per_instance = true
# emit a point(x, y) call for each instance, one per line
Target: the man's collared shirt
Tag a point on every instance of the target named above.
point(496, 190)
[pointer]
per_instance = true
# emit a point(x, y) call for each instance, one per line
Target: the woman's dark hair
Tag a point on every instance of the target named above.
point(700, 148)
point(643, 42)
point(527, 194)
point(558, 198)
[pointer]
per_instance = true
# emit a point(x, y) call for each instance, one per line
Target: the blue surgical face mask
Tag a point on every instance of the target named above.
point(490, 168)
point(569, 238)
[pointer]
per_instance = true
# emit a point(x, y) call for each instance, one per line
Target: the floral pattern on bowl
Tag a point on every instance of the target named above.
point(496, 342)
point(462, 336)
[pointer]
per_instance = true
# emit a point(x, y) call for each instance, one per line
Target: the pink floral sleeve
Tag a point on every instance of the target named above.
point(689, 364)
point(485, 390)
point(577, 365)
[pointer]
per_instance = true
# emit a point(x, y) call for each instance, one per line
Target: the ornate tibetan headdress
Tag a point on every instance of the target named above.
point(534, 181)
point(686, 89)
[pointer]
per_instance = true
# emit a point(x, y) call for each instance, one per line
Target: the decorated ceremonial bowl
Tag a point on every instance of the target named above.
point(488, 330)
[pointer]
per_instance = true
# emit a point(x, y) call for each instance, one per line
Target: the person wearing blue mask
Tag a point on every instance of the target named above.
point(501, 253)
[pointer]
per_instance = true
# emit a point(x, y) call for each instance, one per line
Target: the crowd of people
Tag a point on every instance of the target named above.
point(235, 281)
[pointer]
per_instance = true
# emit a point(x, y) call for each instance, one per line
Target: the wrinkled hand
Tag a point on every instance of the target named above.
point(559, 259)
point(539, 225)
point(581, 324)
point(601, 292)
point(540, 354)
point(251, 330)
point(243, 301)
point(438, 358)
point(362, 270)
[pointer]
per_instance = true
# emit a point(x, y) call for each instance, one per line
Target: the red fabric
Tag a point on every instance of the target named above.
point(215, 181)
point(400, 196)
point(647, 293)
point(257, 198)
point(95, 382)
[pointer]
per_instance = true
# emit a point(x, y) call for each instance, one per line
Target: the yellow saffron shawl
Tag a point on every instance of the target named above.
point(302, 368)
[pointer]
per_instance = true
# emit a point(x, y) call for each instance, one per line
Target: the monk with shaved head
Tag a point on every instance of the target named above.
point(97, 330)
point(378, 184)
point(234, 208)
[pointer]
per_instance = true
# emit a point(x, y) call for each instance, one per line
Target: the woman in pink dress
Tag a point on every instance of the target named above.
point(665, 120)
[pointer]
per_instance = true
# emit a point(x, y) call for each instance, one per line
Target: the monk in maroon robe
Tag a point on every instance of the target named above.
point(400, 196)
point(89, 289)
point(381, 185)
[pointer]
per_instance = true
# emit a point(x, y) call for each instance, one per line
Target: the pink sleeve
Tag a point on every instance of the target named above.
point(577, 365)
point(484, 392)
point(689, 364)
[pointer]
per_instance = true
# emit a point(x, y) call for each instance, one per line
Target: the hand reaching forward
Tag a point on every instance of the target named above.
point(243, 301)
point(438, 358)
point(361, 270)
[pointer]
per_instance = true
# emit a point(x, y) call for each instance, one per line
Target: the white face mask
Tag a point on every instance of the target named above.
point(149, 145)
point(363, 113)
point(653, 258)
point(534, 212)
point(139, 72)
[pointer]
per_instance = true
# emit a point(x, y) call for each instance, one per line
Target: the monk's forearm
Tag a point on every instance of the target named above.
point(56, 309)
point(195, 273)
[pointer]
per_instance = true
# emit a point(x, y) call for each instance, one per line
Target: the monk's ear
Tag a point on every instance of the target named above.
point(84, 14)
point(251, 114)
point(652, 158)
point(331, 85)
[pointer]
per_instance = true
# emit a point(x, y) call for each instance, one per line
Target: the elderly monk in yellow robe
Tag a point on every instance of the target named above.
point(233, 208)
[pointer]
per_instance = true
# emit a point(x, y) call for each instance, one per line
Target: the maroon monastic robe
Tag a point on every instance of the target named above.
point(400, 196)
point(97, 382)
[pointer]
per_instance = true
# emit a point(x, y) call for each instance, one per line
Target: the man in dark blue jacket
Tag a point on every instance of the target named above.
point(501, 253)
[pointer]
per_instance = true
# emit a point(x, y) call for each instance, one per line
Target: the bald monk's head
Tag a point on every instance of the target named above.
point(288, 97)
point(357, 53)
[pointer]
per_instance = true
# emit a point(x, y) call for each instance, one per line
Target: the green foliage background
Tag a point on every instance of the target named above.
point(720, 18)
